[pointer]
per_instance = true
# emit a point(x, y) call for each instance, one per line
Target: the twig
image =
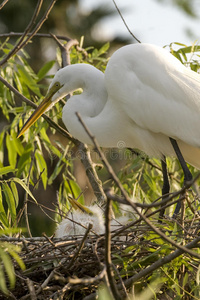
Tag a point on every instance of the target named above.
point(40, 35)
point(87, 281)
point(121, 281)
point(170, 196)
point(108, 259)
point(161, 262)
point(80, 247)
point(125, 23)
point(128, 200)
point(91, 173)
point(20, 43)
point(3, 3)
point(31, 289)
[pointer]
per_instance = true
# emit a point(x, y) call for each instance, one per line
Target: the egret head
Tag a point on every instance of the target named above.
point(53, 95)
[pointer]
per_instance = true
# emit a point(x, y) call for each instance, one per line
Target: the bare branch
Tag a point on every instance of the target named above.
point(22, 43)
point(3, 3)
point(125, 23)
point(18, 46)
point(39, 35)
point(108, 260)
point(128, 200)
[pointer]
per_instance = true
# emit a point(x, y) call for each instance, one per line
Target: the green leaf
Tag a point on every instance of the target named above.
point(42, 167)
point(74, 190)
point(15, 192)
point(8, 267)
point(28, 79)
point(25, 159)
point(17, 144)
point(12, 154)
point(3, 286)
point(17, 257)
point(20, 182)
point(10, 200)
point(45, 69)
point(6, 170)
point(104, 48)
point(3, 216)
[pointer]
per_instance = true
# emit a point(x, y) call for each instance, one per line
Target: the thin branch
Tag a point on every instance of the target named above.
point(18, 46)
point(125, 23)
point(91, 173)
point(108, 260)
point(37, 28)
point(39, 35)
point(170, 196)
point(161, 262)
point(80, 247)
point(128, 200)
point(87, 281)
point(3, 3)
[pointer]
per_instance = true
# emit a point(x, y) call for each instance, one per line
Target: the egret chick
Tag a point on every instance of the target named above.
point(80, 218)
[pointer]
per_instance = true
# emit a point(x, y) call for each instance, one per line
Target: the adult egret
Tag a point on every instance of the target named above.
point(146, 98)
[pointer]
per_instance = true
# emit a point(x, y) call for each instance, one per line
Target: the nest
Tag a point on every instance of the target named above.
point(75, 267)
point(67, 268)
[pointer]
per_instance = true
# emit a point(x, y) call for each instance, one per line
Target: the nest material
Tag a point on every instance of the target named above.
point(75, 266)
point(69, 267)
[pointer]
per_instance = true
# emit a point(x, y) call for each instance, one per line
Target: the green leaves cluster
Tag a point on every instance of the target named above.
point(27, 162)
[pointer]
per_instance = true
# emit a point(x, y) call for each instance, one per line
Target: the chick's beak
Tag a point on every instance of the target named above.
point(37, 113)
point(78, 206)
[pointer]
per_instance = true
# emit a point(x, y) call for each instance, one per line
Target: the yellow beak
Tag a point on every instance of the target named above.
point(76, 205)
point(41, 108)
point(37, 113)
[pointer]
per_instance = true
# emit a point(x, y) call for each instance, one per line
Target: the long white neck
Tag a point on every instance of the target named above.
point(89, 103)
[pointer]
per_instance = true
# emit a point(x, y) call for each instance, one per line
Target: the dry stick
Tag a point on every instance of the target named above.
point(121, 281)
point(40, 35)
point(171, 196)
point(40, 23)
point(80, 247)
point(129, 282)
point(19, 45)
point(48, 279)
point(161, 262)
point(87, 281)
point(108, 259)
point(128, 200)
point(3, 3)
point(125, 22)
point(65, 49)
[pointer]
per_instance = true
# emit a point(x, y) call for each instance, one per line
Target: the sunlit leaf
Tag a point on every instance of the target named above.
point(45, 69)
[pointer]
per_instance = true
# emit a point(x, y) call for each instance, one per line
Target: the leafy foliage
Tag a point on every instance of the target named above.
point(41, 160)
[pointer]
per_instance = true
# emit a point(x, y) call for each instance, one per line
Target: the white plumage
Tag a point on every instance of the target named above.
point(78, 221)
point(145, 96)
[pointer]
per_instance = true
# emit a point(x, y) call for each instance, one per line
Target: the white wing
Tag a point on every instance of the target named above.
point(156, 91)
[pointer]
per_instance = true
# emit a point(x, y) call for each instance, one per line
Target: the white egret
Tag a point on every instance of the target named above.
point(79, 219)
point(81, 216)
point(146, 98)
